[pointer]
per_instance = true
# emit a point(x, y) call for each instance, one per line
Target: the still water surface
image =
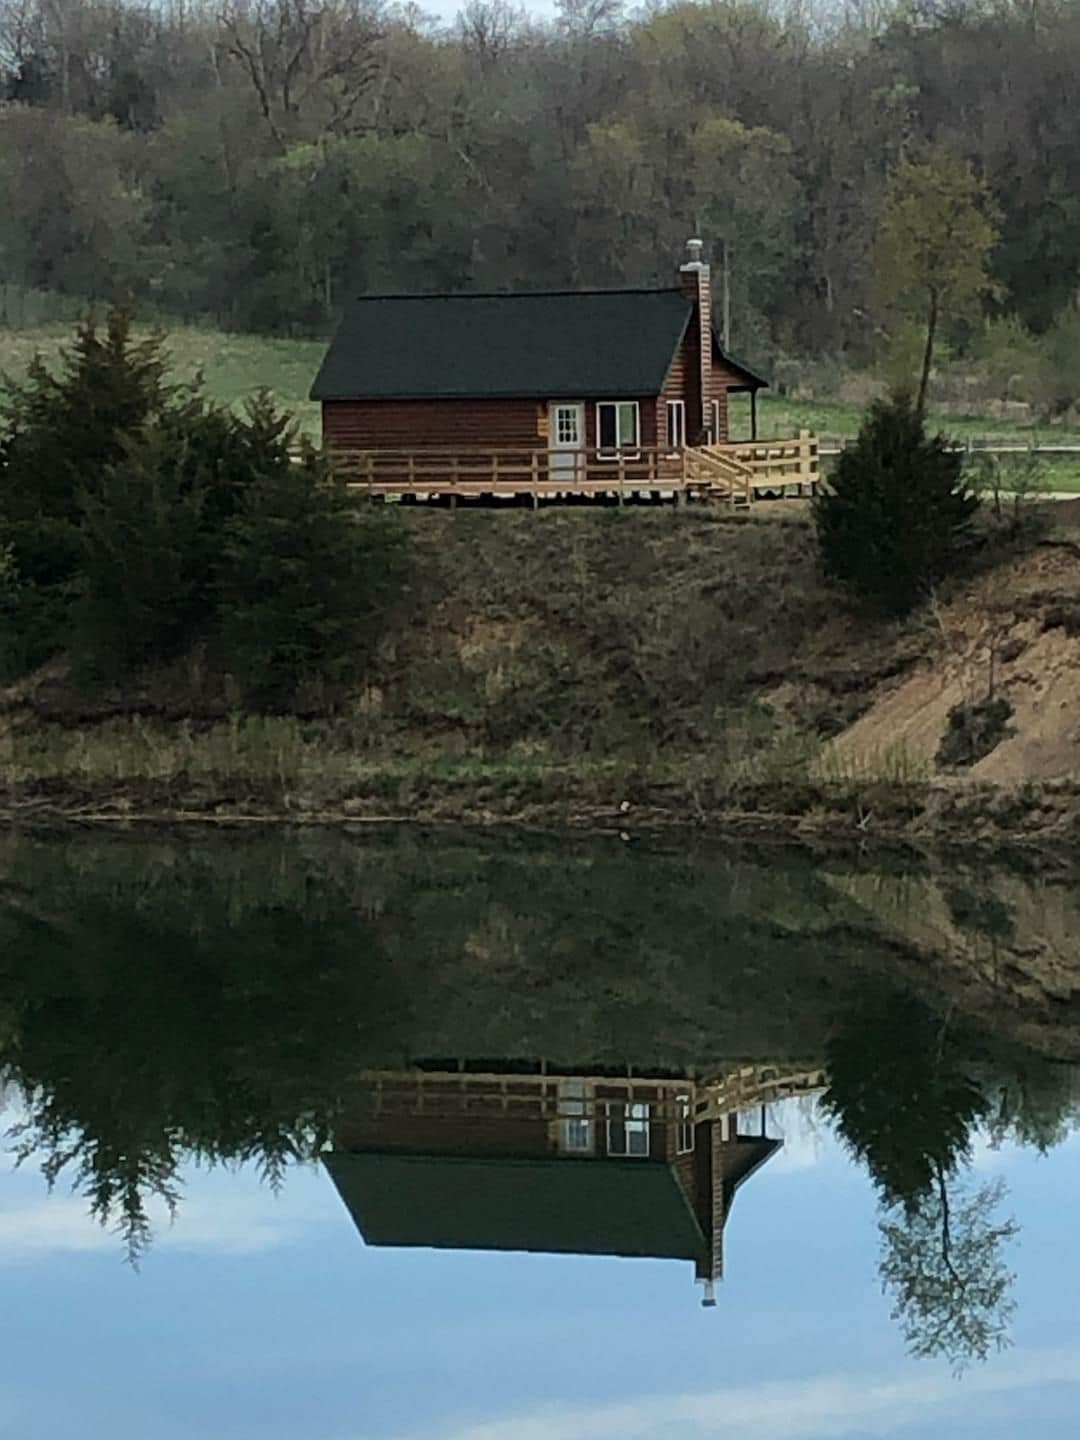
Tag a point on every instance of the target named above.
point(381, 1137)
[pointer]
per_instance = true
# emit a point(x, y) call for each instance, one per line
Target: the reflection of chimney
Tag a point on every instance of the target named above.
point(694, 281)
point(708, 1298)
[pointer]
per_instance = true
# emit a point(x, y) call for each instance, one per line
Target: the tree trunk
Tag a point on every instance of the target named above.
point(928, 354)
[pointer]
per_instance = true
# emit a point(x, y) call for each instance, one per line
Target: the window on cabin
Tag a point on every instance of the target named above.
point(567, 425)
point(628, 1128)
point(752, 1122)
point(676, 425)
point(575, 1120)
point(618, 428)
point(684, 1125)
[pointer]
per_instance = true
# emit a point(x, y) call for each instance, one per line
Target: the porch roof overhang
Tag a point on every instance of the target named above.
point(748, 379)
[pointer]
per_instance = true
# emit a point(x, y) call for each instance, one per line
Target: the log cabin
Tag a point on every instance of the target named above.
point(541, 388)
point(569, 1164)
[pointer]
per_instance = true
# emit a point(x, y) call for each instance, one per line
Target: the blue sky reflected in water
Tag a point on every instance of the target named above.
point(266, 1316)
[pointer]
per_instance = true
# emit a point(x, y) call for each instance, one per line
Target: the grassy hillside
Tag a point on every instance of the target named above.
point(598, 632)
point(636, 668)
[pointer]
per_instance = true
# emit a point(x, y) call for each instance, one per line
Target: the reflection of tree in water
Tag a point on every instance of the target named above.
point(909, 1089)
point(943, 1262)
point(179, 1019)
point(903, 1093)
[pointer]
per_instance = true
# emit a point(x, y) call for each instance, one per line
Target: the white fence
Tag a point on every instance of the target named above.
point(833, 444)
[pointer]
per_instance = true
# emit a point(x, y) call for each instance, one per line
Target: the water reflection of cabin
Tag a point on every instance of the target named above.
point(554, 1163)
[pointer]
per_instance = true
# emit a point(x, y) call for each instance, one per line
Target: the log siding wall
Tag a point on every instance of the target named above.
point(472, 1121)
point(358, 425)
point(434, 424)
point(350, 425)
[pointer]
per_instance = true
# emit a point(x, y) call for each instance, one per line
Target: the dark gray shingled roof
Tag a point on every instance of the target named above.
point(552, 1206)
point(570, 344)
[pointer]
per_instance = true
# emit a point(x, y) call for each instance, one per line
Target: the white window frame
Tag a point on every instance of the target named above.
point(684, 1125)
point(577, 1128)
point(633, 1118)
point(623, 449)
point(676, 433)
point(751, 1122)
point(562, 410)
point(714, 421)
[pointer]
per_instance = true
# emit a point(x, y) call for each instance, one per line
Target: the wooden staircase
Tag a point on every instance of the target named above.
point(716, 474)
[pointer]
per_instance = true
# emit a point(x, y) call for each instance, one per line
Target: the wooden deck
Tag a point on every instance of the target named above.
point(733, 475)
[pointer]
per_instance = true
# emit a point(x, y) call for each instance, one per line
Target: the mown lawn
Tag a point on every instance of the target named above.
point(780, 415)
point(233, 366)
point(1064, 474)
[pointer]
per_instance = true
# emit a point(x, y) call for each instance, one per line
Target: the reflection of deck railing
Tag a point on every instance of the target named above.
point(480, 1097)
point(727, 473)
point(755, 1085)
point(551, 1097)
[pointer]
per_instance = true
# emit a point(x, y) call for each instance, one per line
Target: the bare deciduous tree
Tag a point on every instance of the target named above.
point(301, 57)
point(489, 29)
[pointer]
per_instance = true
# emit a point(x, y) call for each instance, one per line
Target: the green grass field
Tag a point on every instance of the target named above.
point(235, 366)
point(780, 415)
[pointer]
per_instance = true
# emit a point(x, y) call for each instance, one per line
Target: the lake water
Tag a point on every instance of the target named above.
point(375, 1137)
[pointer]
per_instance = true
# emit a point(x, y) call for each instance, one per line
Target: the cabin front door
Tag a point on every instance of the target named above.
point(566, 440)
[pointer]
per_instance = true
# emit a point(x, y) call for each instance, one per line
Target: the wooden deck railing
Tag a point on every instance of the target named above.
point(508, 471)
point(728, 473)
point(776, 463)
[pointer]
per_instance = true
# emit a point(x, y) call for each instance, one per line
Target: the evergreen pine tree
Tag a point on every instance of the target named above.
point(896, 514)
point(151, 534)
point(59, 434)
point(145, 558)
point(307, 572)
point(62, 431)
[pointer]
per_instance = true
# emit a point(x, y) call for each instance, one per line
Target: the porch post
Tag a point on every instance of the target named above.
point(753, 413)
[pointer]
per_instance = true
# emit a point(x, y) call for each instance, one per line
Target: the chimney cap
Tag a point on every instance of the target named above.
point(694, 249)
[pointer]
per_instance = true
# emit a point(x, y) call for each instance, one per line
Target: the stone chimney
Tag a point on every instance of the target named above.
point(694, 282)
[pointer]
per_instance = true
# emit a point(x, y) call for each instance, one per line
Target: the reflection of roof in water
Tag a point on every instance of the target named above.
point(546, 1205)
point(556, 1206)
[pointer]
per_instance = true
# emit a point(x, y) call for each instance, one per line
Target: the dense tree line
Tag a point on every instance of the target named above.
point(257, 161)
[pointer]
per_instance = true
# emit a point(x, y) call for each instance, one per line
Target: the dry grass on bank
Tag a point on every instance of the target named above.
point(637, 666)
